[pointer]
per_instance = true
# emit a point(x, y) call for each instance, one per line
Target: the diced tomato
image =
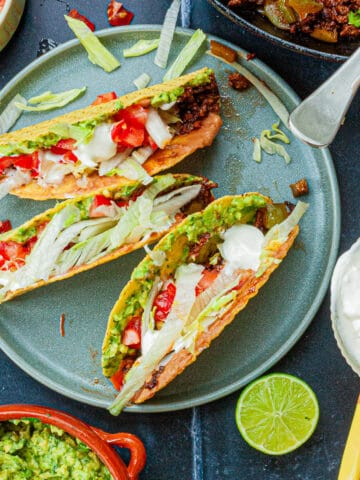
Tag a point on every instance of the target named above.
point(63, 146)
point(135, 115)
point(5, 226)
point(127, 135)
point(27, 162)
point(118, 15)
point(131, 336)
point(13, 250)
point(118, 378)
point(70, 157)
point(208, 277)
point(75, 14)
point(99, 200)
point(122, 203)
point(163, 302)
point(6, 162)
point(104, 98)
point(149, 141)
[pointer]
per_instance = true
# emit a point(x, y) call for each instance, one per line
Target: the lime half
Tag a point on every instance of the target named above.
point(277, 413)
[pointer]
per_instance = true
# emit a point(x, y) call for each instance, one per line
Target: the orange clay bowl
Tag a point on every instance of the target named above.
point(99, 441)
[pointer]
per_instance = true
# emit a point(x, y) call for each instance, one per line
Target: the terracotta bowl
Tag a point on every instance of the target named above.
point(10, 16)
point(98, 440)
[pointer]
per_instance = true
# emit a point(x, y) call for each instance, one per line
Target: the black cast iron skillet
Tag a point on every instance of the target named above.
point(256, 23)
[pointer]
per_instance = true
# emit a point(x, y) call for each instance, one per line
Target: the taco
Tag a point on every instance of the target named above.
point(81, 233)
point(170, 311)
point(131, 137)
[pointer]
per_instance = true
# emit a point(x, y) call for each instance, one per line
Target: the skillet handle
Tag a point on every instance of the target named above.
point(133, 443)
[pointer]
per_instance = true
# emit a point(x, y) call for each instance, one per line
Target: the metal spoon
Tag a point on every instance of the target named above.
point(318, 118)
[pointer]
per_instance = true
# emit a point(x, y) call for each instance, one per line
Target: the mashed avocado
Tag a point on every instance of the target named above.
point(31, 449)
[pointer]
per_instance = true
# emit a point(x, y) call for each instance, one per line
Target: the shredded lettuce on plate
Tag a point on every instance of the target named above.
point(49, 100)
point(167, 34)
point(186, 55)
point(142, 47)
point(142, 81)
point(98, 54)
point(11, 113)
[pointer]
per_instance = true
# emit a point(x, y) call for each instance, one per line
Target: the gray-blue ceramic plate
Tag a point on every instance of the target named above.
point(272, 322)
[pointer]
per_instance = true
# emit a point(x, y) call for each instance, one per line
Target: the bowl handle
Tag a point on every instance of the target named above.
point(133, 443)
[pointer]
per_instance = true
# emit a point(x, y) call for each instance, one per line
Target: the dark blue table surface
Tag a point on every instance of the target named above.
point(203, 443)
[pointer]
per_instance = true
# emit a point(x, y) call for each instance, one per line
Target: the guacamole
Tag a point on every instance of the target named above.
point(31, 449)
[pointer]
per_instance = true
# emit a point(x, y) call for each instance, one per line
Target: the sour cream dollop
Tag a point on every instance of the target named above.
point(100, 148)
point(241, 248)
point(345, 304)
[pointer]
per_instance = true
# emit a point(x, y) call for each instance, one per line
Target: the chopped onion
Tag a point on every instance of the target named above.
point(157, 128)
point(186, 55)
point(167, 34)
point(274, 101)
point(142, 81)
point(11, 113)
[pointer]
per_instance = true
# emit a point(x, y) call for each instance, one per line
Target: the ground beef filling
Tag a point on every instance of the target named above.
point(195, 104)
point(334, 17)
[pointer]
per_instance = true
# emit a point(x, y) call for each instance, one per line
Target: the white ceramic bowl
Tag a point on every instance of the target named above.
point(10, 16)
point(345, 317)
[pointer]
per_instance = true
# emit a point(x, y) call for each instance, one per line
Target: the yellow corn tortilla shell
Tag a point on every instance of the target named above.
point(159, 379)
point(179, 147)
point(123, 250)
point(182, 359)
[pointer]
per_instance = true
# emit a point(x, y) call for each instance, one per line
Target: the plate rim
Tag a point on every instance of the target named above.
point(306, 320)
point(292, 46)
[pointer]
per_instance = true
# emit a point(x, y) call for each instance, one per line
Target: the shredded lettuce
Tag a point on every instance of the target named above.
point(97, 53)
point(257, 150)
point(142, 47)
point(187, 277)
point(277, 235)
point(148, 333)
point(142, 81)
point(270, 147)
point(11, 113)
point(167, 34)
point(49, 100)
point(186, 55)
point(132, 170)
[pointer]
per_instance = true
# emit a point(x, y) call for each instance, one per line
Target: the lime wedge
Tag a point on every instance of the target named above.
point(277, 413)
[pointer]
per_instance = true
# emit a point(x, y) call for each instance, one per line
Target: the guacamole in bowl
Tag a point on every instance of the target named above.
point(31, 449)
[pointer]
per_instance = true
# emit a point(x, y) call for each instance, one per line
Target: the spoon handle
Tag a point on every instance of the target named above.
point(318, 118)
